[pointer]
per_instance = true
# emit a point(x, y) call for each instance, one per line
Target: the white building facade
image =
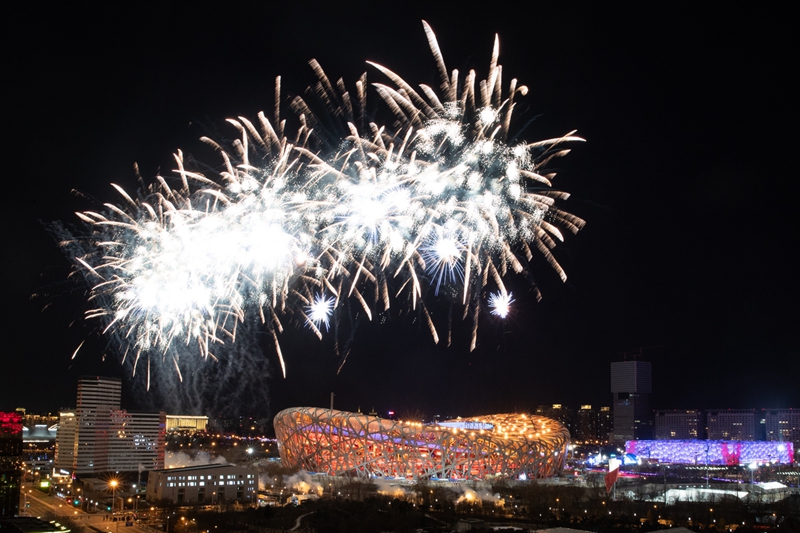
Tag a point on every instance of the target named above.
point(98, 436)
point(204, 485)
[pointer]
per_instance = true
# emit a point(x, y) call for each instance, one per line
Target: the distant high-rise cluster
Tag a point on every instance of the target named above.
point(780, 425)
point(631, 385)
point(99, 436)
point(587, 425)
point(593, 425)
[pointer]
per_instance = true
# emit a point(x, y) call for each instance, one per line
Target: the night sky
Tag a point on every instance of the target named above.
point(688, 183)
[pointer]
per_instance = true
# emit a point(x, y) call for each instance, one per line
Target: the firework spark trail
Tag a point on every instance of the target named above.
point(368, 213)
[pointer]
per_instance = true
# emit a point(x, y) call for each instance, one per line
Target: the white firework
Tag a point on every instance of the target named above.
point(443, 253)
point(320, 310)
point(440, 197)
point(500, 303)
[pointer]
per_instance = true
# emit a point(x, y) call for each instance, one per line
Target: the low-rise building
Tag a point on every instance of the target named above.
point(205, 484)
point(186, 423)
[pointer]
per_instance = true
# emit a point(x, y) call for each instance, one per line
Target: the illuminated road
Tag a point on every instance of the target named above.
point(43, 505)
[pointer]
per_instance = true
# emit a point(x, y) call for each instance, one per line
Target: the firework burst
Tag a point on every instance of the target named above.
point(370, 214)
point(500, 303)
point(319, 311)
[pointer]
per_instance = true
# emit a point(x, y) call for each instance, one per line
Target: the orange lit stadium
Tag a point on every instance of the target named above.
point(337, 442)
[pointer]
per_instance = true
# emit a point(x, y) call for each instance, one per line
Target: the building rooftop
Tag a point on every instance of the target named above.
point(197, 467)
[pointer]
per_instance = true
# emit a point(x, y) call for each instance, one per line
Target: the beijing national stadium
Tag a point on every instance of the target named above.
point(516, 446)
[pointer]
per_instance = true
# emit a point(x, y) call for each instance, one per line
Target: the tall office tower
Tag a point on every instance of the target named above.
point(66, 440)
point(10, 463)
point(98, 436)
point(95, 392)
point(631, 387)
point(731, 424)
point(679, 425)
point(97, 398)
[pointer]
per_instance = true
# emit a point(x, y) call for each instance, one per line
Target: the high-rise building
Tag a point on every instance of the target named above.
point(679, 425)
point(731, 424)
point(10, 463)
point(605, 424)
point(82, 445)
point(99, 393)
point(559, 412)
point(97, 399)
point(99, 436)
point(586, 425)
point(631, 388)
point(783, 425)
point(137, 441)
point(66, 440)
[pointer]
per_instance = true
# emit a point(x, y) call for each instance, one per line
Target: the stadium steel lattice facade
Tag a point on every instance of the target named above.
point(337, 442)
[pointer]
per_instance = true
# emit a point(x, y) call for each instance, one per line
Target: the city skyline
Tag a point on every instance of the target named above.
point(686, 260)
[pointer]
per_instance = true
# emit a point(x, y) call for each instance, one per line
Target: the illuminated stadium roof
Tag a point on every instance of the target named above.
point(338, 442)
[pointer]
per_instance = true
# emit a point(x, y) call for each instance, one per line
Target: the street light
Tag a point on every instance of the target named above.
point(752, 467)
point(136, 498)
point(113, 484)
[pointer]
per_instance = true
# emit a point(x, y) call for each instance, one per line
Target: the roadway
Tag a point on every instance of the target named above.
point(43, 505)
